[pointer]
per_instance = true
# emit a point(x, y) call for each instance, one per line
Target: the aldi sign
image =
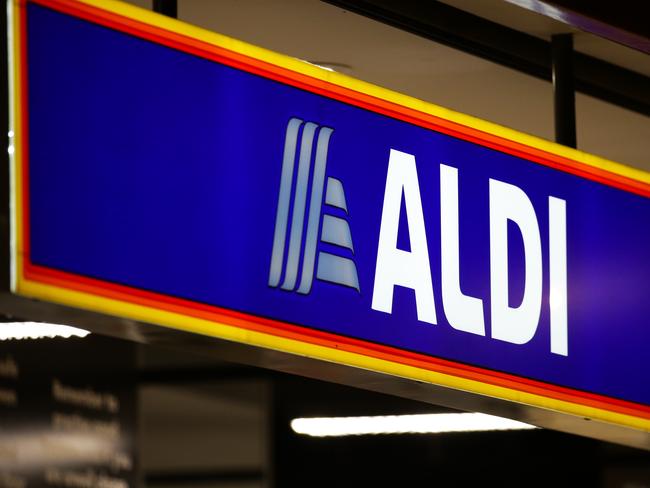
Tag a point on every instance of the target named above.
point(178, 177)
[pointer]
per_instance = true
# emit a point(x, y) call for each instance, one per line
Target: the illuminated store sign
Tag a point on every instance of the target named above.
point(171, 175)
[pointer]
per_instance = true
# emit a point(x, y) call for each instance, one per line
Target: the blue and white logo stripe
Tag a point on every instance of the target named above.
point(286, 262)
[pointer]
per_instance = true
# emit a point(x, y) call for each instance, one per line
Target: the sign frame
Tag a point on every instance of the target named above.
point(32, 281)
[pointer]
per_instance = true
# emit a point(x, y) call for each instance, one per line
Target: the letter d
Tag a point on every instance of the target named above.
point(519, 324)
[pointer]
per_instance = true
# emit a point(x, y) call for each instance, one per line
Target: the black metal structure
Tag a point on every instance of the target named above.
point(509, 47)
point(191, 376)
point(626, 24)
point(563, 92)
point(166, 7)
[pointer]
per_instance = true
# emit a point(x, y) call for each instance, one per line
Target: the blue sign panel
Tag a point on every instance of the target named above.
point(164, 171)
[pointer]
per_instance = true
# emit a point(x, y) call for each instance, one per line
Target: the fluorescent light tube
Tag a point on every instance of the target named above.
point(38, 330)
point(404, 424)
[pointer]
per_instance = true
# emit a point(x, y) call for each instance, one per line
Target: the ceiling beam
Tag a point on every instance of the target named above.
point(506, 46)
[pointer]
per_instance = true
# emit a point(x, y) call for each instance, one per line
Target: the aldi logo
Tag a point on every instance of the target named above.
point(312, 210)
point(303, 185)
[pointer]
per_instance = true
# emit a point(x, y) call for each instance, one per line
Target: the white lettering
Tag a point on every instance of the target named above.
point(411, 269)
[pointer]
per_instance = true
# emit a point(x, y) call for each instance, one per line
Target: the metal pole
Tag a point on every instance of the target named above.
point(166, 7)
point(563, 89)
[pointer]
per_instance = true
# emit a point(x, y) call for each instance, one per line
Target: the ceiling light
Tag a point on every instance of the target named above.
point(404, 424)
point(38, 330)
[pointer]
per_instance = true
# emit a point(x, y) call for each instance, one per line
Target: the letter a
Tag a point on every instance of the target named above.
point(396, 266)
